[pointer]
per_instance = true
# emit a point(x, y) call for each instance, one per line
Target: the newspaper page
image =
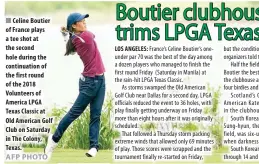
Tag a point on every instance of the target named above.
point(130, 82)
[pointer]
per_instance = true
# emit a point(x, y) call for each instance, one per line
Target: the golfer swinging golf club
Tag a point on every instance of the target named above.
point(91, 82)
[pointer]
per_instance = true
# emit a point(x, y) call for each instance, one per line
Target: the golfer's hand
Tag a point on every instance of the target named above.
point(63, 30)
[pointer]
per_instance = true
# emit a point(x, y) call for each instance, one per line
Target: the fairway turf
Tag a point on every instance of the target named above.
point(105, 156)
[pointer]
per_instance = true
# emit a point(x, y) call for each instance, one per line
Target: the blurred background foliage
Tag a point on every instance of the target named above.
point(42, 7)
point(77, 134)
point(28, 7)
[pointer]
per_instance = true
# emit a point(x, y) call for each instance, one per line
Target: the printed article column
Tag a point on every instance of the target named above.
point(163, 99)
point(26, 120)
point(240, 101)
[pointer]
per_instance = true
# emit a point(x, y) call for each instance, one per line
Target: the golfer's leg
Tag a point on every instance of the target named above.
point(95, 113)
point(85, 96)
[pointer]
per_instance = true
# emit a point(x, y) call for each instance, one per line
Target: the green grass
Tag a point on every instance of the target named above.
point(77, 134)
point(105, 156)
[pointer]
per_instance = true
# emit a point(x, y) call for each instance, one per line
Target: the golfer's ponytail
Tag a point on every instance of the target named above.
point(70, 48)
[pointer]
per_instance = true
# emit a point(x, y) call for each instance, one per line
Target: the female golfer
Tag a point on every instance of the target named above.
point(91, 83)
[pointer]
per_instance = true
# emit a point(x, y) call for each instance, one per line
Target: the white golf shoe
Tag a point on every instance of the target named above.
point(92, 152)
point(51, 145)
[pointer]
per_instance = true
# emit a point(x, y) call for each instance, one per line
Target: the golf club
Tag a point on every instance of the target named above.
point(63, 32)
